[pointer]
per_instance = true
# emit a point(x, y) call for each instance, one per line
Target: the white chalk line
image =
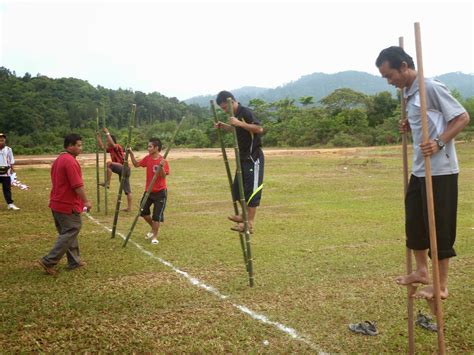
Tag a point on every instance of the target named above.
point(196, 282)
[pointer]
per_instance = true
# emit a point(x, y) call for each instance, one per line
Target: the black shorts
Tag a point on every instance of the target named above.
point(445, 196)
point(158, 200)
point(252, 174)
point(117, 169)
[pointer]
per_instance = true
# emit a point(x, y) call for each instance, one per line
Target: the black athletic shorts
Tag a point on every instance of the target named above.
point(252, 174)
point(445, 196)
point(158, 200)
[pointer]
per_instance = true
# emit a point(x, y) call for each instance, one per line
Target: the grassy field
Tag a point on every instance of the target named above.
point(328, 242)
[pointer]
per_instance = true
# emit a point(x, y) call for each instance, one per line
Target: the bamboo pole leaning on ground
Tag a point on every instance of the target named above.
point(148, 191)
point(124, 170)
point(408, 257)
point(97, 175)
point(429, 195)
point(105, 166)
point(243, 203)
point(229, 178)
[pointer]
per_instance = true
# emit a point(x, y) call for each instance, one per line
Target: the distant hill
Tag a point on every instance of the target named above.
point(320, 85)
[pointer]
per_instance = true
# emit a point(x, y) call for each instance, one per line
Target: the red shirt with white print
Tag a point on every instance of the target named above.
point(151, 167)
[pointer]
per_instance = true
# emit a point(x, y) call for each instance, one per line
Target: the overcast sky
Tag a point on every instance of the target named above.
point(187, 48)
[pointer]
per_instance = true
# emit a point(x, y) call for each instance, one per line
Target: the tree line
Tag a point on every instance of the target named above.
point(37, 112)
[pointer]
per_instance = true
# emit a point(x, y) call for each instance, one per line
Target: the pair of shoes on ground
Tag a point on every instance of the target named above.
point(366, 328)
point(11, 206)
point(425, 322)
point(49, 269)
point(150, 235)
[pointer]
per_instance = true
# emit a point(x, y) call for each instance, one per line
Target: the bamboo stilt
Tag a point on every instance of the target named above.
point(429, 195)
point(229, 178)
point(97, 175)
point(408, 253)
point(243, 203)
point(105, 168)
point(149, 188)
point(124, 170)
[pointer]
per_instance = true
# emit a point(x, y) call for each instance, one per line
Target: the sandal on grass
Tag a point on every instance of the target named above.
point(426, 322)
point(366, 328)
point(240, 228)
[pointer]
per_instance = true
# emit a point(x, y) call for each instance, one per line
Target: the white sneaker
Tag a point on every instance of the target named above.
point(149, 235)
point(12, 206)
point(154, 241)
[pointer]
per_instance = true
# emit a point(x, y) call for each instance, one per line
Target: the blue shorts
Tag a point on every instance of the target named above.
point(252, 174)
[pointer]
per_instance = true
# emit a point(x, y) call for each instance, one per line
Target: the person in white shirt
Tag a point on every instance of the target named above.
point(6, 169)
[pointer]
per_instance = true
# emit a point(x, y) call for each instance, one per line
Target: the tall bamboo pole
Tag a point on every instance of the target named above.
point(124, 170)
point(97, 175)
point(105, 167)
point(149, 188)
point(243, 203)
point(408, 257)
point(429, 194)
point(229, 178)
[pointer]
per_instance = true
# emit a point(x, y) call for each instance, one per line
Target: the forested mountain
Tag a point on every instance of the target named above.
point(319, 85)
point(37, 112)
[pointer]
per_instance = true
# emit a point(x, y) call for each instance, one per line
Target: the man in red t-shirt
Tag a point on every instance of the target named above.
point(152, 162)
point(67, 201)
point(115, 166)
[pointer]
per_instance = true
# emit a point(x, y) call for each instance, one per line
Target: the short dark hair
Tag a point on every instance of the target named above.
point(395, 56)
point(156, 142)
point(71, 139)
point(223, 96)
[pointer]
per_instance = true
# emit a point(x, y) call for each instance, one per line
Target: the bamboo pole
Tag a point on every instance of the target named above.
point(429, 194)
point(105, 167)
point(243, 203)
point(97, 175)
point(124, 170)
point(149, 188)
point(229, 178)
point(408, 256)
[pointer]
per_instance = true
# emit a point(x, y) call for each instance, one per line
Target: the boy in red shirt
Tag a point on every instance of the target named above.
point(67, 201)
point(115, 166)
point(158, 195)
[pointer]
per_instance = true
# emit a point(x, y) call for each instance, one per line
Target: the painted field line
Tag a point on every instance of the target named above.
point(196, 282)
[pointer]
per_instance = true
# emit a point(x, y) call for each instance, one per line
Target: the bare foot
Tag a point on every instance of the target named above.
point(240, 228)
point(126, 210)
point(428, 293)
point(236, 218)
point(415, 277)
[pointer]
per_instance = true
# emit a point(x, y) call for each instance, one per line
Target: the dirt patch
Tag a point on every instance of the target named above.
point(44, 161)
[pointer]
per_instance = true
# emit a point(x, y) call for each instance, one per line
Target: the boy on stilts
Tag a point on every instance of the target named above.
point(115, 166)
point(249, 132)
point(158, 195)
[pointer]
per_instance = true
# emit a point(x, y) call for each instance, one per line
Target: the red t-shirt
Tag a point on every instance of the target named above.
point(151, 166)
point(66, 176)
point(116, 154)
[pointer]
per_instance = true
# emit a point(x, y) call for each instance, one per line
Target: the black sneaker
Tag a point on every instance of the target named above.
point(426, 322)
point(366, 328)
